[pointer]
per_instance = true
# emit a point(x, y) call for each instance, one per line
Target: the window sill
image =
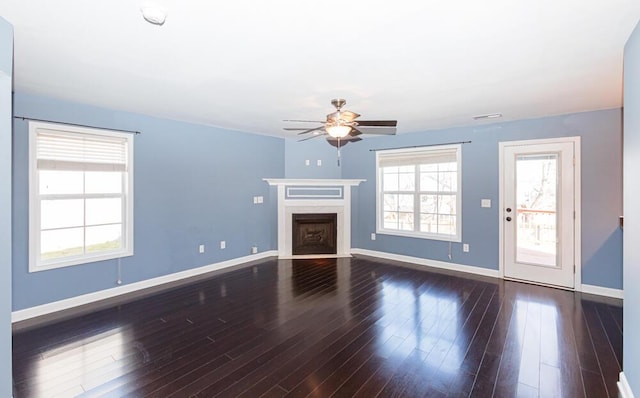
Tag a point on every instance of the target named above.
point(418, 235)
point(79, 260)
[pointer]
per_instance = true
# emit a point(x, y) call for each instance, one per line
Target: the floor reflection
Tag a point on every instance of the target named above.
point(78, 360)
point(333, 327)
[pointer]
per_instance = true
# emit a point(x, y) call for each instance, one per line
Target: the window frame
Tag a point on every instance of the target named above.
point(416, 233)
point(35, 198)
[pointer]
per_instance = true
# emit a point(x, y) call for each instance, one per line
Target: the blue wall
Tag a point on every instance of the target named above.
point(631, 349)
point(193, 185)
point(601, 140)
point(6, 65)
point(297, 153)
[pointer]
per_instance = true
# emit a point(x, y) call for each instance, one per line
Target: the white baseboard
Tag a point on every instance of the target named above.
point(624, 388)
point(602, 291)
point(49, 308)
point(494, 273)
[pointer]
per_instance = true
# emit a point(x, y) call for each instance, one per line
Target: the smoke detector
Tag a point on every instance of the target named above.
point(154, 15)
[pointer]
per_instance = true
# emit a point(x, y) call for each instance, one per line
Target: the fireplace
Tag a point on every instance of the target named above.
point(314, 197)
point(314, 233)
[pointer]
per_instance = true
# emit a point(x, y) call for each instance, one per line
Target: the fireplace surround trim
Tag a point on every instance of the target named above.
point(319, 203)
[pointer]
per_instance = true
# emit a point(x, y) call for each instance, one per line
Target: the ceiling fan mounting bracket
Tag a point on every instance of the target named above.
point(338, 103)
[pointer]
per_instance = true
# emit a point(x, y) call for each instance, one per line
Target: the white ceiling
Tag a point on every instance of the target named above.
point(247, 65)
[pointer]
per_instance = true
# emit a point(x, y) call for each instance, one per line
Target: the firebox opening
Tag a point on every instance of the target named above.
point(314, 233)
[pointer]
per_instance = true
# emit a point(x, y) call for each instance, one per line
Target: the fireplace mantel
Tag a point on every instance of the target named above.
point(303, 196)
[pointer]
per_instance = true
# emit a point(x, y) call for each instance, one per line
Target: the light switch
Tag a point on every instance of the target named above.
point(260, 199)
point(485, 203)
point(306, 162)
point(319, 162)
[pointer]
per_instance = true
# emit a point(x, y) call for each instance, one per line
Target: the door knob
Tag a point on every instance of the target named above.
point(508, 218)
point(508, 209)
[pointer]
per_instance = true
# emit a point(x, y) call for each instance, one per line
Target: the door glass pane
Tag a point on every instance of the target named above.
point(536, 213)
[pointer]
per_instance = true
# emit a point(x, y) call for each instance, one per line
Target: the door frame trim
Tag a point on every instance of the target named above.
point(577, 249)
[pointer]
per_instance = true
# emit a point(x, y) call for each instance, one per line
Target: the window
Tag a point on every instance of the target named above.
point(81, 195)
point(418, 193)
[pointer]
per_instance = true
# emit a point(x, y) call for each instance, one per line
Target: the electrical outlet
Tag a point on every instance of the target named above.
point(373, 236)
point(201, 249)
point(223, 244)
point(254, 249)
point(465, 247)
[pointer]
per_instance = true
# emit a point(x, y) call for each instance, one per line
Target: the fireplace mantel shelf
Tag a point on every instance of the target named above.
point(313, 182)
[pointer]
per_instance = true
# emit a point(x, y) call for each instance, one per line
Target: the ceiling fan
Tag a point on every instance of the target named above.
point(341, 127)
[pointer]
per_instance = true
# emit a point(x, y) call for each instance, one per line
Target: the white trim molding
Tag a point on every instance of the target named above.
point(602, 291)
point(470, 269)
point(288, 206)
point(56, 306)
point(624, 388)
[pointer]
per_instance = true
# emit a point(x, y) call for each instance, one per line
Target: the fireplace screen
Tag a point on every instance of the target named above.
point(314, 234)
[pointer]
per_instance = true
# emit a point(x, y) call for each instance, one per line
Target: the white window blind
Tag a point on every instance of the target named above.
point(60, 150)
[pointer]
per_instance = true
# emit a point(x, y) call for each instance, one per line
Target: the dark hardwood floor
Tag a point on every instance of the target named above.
point(356, 327)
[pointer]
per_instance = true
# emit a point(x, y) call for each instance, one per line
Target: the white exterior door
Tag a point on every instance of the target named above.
point(538, 205)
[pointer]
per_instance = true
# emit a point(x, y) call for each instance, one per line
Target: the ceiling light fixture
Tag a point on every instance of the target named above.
point(338, 130)
point(154, 15)
point(488, 116)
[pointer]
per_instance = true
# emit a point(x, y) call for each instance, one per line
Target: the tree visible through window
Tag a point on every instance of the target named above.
point(418, 193)
point(80, 195)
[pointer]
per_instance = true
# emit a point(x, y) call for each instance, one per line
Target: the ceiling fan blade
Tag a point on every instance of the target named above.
point(303, 121)
point(312, 136)
point(382, 123)
point(311, 130)
point(378, 130)
point(295, 128)
point(354, 132)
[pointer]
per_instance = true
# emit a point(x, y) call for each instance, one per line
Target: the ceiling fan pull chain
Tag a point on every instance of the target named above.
point(338, 146)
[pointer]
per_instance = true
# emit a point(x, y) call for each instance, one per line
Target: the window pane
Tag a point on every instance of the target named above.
point(103, 182)
point(405, 221)
point(407, 182)
point(447, 204)
point(428, 203)
point(104, 211)
point(390, 202)
point(430, 167)
point(61, 213)
point(450, 166)
point(447, 182)
point(61, 243)
point(104, 238)
point(390, 182)
point(429, 182)
point(390, 220)
point(405, 203)
point(54, 182)
point(428, 223)
point(446, 225)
